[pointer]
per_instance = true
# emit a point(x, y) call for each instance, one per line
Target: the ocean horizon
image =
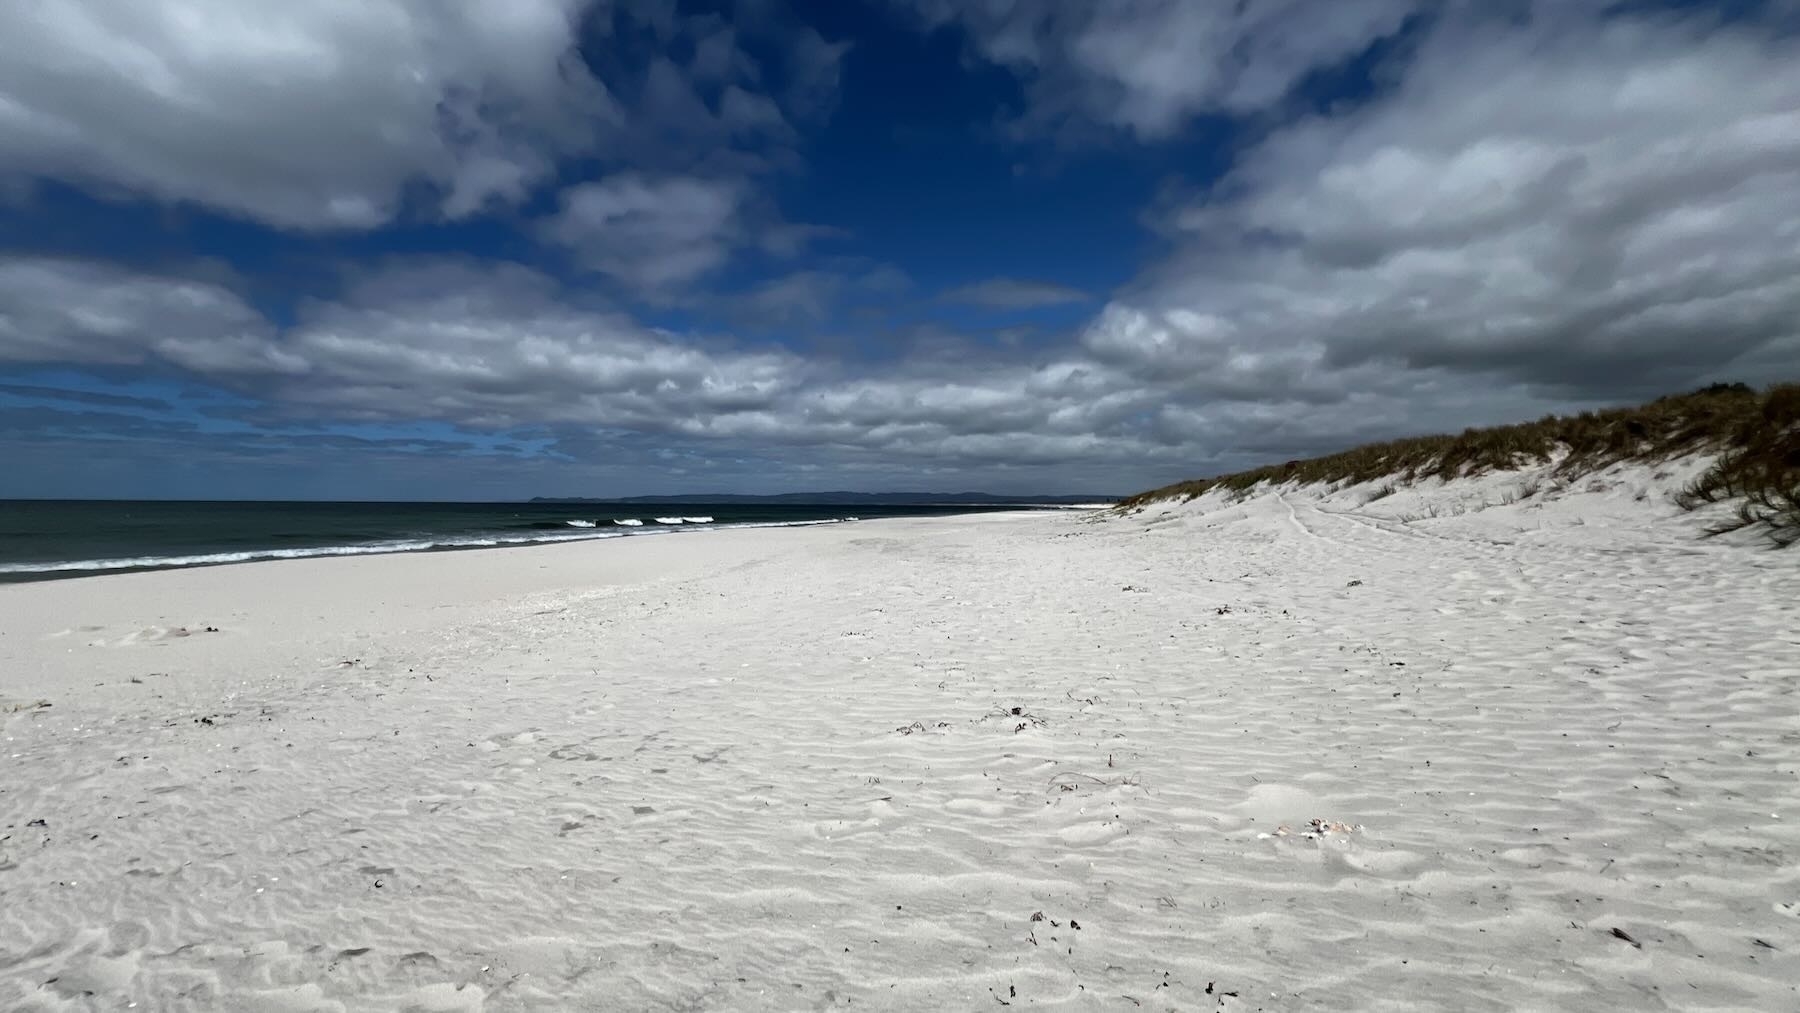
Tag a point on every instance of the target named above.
point(51, 539)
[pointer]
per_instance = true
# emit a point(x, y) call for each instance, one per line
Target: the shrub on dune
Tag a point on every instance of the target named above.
point(1755, 435)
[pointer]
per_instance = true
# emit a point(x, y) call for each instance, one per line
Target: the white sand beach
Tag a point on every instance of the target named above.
point(1046, 760)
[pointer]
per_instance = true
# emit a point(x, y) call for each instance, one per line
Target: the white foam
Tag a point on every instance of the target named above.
point(254, 555)
point(380, 548)
point(784, 524)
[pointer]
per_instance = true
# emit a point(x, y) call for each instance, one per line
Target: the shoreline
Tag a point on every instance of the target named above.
point(315, 599)
point(547, 531)
point(76, 569)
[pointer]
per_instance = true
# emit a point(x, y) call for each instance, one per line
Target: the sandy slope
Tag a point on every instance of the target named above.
point(787, 772)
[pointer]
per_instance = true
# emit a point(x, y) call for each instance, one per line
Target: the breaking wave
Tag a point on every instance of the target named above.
point(534, 535)
point(255, 555)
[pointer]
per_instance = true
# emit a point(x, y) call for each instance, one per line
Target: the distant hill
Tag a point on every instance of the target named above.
point(846, 499)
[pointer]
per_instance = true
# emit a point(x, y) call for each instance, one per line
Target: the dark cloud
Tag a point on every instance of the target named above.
point(1014, 294)
point(18, 422)
point(800, 302)
point(89, 397)
point(803, 297)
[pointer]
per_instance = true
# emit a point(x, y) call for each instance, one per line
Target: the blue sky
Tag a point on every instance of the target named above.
point(424, 250)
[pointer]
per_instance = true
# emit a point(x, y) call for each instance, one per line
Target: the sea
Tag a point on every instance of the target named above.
point(50, 539)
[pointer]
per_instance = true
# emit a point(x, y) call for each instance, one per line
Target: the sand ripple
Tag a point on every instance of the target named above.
point(958, 766)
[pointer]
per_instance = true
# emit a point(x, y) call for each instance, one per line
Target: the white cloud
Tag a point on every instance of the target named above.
point(1150, 66)
point(1573, 207)
point(496, 346)
point(72, 311)
point(650, 233)
point(311, 115)
point(345, 114)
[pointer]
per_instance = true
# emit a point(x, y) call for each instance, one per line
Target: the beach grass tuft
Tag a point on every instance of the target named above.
point(1755, 435)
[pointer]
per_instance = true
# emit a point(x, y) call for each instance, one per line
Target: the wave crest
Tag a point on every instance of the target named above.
point(258, 555)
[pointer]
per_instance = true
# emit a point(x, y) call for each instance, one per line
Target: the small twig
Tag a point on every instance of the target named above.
point(1075, 773)
point(1126, 781)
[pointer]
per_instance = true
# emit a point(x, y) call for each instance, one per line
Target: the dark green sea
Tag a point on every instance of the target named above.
point(47, 539)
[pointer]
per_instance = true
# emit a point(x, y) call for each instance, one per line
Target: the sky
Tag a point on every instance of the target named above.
point(387, 249)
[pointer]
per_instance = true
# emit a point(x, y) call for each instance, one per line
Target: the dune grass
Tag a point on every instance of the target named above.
point(1755, 435)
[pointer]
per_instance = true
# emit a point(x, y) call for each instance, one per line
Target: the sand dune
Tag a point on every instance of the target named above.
point(1045, 760)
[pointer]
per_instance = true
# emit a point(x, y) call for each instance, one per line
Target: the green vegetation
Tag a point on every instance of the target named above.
point(1756, 436)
